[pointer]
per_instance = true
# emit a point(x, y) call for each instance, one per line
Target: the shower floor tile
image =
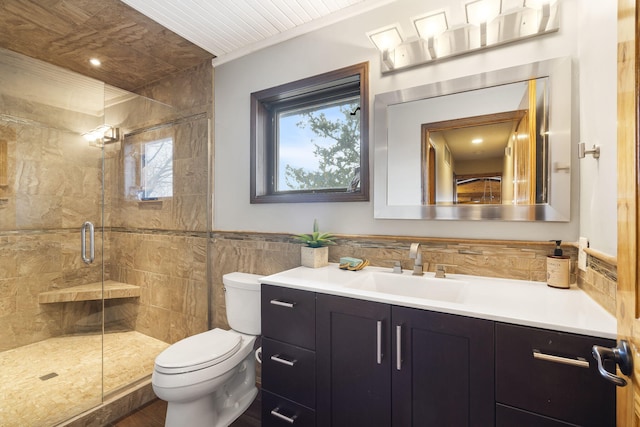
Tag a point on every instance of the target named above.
point(44, 383)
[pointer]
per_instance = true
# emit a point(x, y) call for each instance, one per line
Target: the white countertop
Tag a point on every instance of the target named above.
point(504, 300)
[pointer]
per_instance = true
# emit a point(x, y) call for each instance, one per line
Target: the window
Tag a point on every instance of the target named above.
point(309, 139)
point(157, 169)
point(148, 163)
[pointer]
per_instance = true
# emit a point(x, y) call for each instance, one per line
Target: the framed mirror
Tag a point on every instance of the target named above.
point(492, 146)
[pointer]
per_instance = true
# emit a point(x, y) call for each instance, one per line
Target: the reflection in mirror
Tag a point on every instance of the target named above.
point(499, 138)
point(497, 158)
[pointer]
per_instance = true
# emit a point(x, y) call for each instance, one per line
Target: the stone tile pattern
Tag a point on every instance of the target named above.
point(139, 50)
point(600, 282)
point(79, 380)
point(36, 262)
point(162, 246)
point(171, 271)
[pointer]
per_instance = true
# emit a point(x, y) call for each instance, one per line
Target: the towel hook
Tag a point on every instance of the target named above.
point(595, 151)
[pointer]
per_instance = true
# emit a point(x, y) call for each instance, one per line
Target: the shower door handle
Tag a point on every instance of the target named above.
point(83, 243)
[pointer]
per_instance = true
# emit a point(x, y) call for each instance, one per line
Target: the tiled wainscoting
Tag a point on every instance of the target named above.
point(524, 260)
point(600, 280)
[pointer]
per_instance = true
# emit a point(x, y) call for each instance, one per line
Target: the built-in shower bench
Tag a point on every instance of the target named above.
point(91, 291)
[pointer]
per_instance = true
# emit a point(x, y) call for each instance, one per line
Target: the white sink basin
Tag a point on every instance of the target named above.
point(407, 285)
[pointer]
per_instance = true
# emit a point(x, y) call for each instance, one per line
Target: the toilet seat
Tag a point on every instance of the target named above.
point(198, 352)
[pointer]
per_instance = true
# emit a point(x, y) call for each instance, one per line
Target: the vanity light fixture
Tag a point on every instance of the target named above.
point(480, 12)
point(429, 27)
point(544, 6)
point(386, 39)
point(488, 23)
point(103, 134)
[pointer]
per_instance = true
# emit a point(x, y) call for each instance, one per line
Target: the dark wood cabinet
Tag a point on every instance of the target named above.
point(382, 365)
point(353, 360)
point(552, 374)
point(288, 357)
point(338, 361)
point(443, 372)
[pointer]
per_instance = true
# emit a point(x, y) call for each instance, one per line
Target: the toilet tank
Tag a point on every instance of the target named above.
point(242, 298)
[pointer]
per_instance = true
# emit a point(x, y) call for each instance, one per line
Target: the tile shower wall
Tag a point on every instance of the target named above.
point(161, 245)
point(171, 270)
point(53, 186)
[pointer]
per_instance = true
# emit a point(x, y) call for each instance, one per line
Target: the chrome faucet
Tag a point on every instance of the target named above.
point(415, 253)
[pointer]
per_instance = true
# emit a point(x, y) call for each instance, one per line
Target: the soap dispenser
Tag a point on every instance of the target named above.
point(558, 268)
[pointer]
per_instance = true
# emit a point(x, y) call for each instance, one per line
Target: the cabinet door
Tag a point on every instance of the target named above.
point(443, 371)
point(353, 362)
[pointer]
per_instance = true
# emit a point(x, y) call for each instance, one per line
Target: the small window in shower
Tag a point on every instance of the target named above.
point(156, 166)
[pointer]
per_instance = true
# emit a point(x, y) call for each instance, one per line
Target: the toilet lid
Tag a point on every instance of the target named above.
point(198, 351)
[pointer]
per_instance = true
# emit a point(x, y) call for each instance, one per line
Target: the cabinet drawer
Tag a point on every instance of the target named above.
point(565, 386)
point(278, 411)
point(288, 315)
point(289, 371)
point(507, 416)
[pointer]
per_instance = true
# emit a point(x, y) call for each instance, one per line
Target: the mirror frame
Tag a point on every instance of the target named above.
point(558, 206)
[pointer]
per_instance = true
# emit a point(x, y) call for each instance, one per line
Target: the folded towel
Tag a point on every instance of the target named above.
point(352, 262)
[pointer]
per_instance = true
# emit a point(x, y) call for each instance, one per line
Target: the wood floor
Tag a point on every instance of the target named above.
point(152, 415)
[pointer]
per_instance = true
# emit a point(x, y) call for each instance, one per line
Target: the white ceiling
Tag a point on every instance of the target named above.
point(230, 29)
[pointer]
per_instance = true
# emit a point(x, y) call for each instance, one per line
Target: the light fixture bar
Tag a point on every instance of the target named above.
point(487, 25)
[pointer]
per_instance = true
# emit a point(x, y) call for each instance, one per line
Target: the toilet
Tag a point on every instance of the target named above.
point(208, 379)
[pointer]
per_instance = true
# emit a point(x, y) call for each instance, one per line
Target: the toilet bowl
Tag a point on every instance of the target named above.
point(208, 379)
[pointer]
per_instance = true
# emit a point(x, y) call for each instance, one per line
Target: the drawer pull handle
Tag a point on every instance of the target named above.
point(578, 361)
point(277, 414)
point(282, 303)
point(399, 347)
point(278, 358)
point(379, 342)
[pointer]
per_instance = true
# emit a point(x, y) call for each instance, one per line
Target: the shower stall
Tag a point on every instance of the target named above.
point(103, 243)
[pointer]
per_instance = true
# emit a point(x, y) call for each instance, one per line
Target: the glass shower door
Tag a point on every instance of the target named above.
point(51, 301)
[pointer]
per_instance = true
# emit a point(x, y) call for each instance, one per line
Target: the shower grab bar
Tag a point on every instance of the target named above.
point(83, 243)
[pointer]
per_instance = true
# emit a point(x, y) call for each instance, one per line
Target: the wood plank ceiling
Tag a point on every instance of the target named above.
point(162, 37)
point(232, 28)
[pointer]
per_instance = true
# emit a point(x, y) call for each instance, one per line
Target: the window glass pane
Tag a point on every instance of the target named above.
point(318, 147)
point(157, 169)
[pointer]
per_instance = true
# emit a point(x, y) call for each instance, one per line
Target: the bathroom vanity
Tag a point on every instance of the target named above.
point(342, 348)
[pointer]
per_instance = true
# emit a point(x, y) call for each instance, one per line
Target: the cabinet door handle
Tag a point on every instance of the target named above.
point(399, 347)
point(278, 358)
point(277, 414)
point(379, 342)
point(282, 303)
point(578, 361)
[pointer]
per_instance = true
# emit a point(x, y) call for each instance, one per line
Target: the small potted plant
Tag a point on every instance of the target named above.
point(315, 252)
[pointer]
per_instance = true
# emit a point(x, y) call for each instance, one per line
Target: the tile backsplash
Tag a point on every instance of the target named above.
point(523, 260)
